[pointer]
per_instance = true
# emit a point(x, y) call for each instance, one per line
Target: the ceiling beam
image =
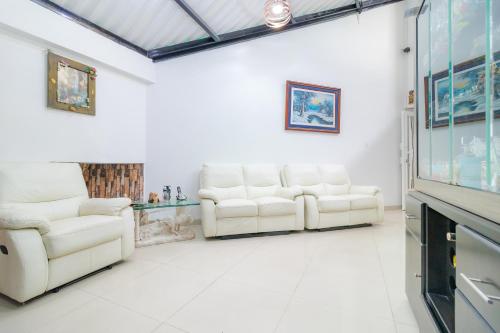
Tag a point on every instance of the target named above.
point(183, 4)
point(89, 25)
point(262, 30)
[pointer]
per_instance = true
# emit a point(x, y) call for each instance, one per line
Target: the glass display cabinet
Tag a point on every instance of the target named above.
point(453, 216)
point(458, 93)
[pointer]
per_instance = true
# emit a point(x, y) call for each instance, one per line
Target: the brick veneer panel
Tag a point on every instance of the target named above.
point(114, 180)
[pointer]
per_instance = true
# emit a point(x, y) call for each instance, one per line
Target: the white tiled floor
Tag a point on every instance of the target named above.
point(308, 282)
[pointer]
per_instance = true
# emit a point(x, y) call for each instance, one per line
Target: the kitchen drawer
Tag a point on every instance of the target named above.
point(415, 217)
point(478, 273)
point(467, 319)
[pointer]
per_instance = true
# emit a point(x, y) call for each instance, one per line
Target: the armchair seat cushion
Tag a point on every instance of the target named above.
point(236, 208)
point(362, 201)
point(275, 206)
point(78, 233)
point(333, 203)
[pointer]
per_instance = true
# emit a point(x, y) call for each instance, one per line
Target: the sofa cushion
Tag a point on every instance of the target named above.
point(333, 203)
point(224, 193)
point(361, 201)
point(235, 208)
point(26, 182)
point(333, 174)
point(262, 191)
point(301, 174)
point(221, 175)
point(275, 206)
point(261, 175)
point(337, 189)
point(78, 233)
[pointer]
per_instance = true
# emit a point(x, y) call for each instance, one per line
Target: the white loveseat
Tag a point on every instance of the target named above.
point(51, 232)
point(241, 199)
point(330, 199)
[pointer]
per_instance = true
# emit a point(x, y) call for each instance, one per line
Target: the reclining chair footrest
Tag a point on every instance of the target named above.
point(258, 234)
point(362, 225)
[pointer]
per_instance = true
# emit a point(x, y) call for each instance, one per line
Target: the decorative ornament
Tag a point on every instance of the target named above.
point(154, 198)
point(91, 71)
point(180, 195)
point(411, 97)
point(277, 13)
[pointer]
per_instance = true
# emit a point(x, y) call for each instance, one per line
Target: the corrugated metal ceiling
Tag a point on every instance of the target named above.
point(152, 24)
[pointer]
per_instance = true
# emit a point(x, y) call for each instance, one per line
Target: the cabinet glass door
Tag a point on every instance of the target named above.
point(438, 125)
point(469, 89)
point(494, 31)
point(458, 92)
point(423, 70)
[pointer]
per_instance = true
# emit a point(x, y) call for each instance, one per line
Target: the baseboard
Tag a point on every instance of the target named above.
point(396, 207)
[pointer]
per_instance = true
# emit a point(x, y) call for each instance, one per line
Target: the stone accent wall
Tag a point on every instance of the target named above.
point(114, 180)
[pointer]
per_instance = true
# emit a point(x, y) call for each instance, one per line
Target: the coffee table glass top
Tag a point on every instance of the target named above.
point(164, 204)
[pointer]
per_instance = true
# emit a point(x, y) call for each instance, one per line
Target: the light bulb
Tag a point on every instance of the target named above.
point(277, 8)
point(277, 13)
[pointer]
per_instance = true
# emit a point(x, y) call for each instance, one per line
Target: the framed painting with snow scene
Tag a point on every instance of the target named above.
point(312, 108)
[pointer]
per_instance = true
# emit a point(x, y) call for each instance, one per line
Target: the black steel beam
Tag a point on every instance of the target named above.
point(262, 30)
point(359, 6)
point(215, 41)
point(183, 4)
point(89, 25)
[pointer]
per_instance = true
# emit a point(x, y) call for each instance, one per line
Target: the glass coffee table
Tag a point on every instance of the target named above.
point(169, 229)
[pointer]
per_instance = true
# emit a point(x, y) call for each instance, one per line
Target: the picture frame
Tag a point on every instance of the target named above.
point(469, 95)
point(312, 108)
point(71, 86)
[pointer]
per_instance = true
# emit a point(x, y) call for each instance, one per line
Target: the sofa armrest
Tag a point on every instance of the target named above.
point(16, 219)
point(313, 192)
point(208, 218)
point(25, 270)
point(206, 194)
point(371, 190)
point(99, 206)
point(289, 192)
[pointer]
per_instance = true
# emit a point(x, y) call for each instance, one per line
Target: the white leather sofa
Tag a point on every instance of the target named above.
point(330, 199)
point(51, 232)
point(241, 199)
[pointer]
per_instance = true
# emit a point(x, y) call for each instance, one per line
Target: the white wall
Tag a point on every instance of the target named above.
point(227, 105)
point(31, 131)
point(38, 23)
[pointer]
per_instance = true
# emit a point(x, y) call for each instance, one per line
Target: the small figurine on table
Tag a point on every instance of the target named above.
point(166, 192)
point(180, 196)
point(154, 198)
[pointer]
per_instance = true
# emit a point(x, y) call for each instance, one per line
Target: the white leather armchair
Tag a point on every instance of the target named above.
point(51, 232)
point(238, 199)
point(331, 200)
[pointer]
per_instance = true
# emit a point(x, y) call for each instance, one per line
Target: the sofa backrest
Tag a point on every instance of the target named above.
point(226, 180)
point(261, 180)
point(335, 178)
point(52, 190)
point(324, 179)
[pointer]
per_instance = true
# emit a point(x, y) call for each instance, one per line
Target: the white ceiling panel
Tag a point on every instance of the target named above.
point(304, 7)
point(225, 16)
point(152, 24)
point(146, 23)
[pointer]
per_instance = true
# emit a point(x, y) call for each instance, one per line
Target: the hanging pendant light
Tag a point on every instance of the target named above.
point(277, 13)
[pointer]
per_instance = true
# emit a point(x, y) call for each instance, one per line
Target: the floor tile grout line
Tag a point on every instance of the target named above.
point(212, 283)
point(289, 303)
point(384, 278)
point(93, 298)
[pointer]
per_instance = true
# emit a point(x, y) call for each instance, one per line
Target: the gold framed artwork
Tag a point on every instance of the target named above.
point(71, 85)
